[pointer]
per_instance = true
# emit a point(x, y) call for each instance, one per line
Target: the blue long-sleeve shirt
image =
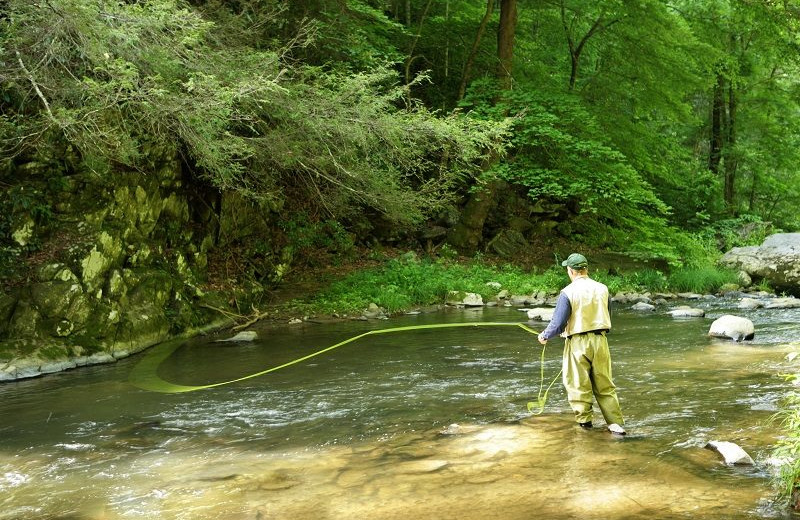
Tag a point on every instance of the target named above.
point(560, 317)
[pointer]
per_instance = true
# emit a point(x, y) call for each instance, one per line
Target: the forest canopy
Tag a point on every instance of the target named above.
point(650, 124)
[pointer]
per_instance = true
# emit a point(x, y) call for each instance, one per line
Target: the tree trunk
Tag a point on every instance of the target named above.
point(467, 234)
point(447, 39)
point(716, 140)
point(731, 161)
point(505, 42)
point(462, 88)
point(575, 51)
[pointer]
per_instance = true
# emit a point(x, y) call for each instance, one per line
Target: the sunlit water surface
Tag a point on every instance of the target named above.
point(421, 424)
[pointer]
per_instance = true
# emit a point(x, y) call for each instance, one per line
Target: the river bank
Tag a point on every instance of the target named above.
point(372, 287)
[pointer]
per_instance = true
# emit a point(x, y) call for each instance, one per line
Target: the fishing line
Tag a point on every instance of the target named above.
point(541, 400)
point(145, 374)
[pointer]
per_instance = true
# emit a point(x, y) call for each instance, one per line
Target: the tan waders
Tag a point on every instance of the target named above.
point(587, 373)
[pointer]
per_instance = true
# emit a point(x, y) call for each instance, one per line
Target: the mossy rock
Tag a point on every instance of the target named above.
point(7, 304)
point(139, 329)
point(25, 321)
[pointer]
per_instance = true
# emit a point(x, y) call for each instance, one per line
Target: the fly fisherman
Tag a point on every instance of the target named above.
point(582, 317)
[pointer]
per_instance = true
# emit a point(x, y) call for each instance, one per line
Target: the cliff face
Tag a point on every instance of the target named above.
point(103, 269)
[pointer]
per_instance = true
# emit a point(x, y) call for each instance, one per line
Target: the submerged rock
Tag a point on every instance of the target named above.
point(247, 335)
point(686, 312)
point(731, 452)
point(750, 303)
point(733, 327)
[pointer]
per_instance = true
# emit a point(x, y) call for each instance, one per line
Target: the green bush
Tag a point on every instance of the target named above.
point(788, 447)
point(404, 283)
point(700, 279)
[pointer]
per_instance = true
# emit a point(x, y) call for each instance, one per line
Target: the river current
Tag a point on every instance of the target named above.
point(417, 424)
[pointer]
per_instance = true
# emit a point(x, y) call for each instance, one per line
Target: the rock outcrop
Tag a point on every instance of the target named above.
point(120, 264)
point(776, 260)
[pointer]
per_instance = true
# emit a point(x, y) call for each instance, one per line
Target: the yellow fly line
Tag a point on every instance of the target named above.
point(145, 374)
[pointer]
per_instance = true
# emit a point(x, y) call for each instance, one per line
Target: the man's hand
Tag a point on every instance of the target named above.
point(541, 339)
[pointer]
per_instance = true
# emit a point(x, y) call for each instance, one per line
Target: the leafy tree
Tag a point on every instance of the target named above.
point(115, 80)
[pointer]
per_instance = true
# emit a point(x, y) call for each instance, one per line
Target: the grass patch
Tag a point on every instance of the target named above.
point(404, 283)
point(701, 279)
point(407, 282)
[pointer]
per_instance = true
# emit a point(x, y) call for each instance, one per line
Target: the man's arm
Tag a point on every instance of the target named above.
point(559, 319)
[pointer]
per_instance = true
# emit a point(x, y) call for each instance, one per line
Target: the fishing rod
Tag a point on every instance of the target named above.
point(145, 374)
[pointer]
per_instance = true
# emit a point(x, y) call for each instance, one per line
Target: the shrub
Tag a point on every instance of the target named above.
point(700, 279)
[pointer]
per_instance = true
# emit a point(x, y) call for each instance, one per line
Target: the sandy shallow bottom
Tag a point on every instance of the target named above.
point(541, 467)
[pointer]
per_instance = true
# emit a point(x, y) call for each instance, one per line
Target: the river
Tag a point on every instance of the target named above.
point(415, 424)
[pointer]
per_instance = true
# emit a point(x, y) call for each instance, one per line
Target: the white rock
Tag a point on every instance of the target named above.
point(734, 327)
point(541, 313)
point(686, 312)
point(642, 306)
point(731, 452)
point(247, 335)
point(464, 298)
point(783, 303)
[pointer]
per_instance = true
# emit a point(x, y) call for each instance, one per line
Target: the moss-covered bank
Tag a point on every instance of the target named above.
point(93, 271)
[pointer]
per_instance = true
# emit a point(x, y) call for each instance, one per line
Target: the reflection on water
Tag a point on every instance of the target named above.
point(424, 424)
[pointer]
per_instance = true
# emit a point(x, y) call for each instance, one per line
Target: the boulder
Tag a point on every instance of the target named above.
point(645, 307)
point(373, 311)
point(734, 327)
point(466, 299)
point(776, 260)
point(508, 243)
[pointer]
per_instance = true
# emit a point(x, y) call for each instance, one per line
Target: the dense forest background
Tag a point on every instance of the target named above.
point(664, 129)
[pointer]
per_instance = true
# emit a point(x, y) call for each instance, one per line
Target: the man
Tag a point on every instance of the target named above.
point(582, 317)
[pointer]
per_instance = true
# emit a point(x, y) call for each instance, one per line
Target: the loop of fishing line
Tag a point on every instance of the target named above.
point(145, 374)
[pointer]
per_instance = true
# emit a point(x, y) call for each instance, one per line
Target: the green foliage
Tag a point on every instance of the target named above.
point(23, 207)
point(123, 79)
point(402, 284)
point(314, 242)
point(639, 281)
point(702, 280)
point(787, 449)
point(745, 230)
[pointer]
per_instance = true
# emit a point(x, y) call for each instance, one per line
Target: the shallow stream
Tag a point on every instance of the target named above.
point(428, 424)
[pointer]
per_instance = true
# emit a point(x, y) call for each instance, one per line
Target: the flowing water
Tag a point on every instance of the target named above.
point(428, 424)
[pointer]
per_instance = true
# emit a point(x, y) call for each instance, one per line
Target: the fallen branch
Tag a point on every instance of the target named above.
point(255, 316)
point(36, 88)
